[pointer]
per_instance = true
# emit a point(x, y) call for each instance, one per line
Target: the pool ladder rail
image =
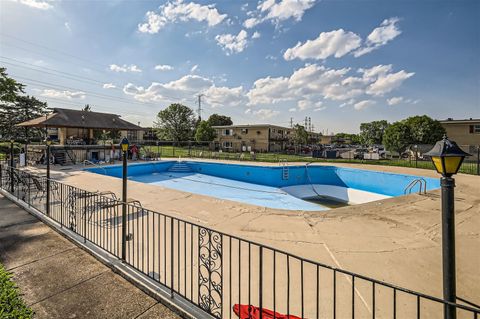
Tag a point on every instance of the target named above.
point(180, 167)
point(421, 182)
point(285, 169)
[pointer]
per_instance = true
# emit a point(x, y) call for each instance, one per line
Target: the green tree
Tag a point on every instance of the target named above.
point(354, 138)
point(175, 123)
point(27, 108)
point(219, 120)
point(300, 135)
point(87, 108)
point(204, 132)
point(397, 137)
point(9, 88)
point(424, 130)
point(372, 133)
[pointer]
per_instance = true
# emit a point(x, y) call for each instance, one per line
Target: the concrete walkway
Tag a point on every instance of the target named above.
point(60, 280)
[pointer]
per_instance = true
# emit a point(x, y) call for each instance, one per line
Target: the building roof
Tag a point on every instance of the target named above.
point(465, 121)
point(82, 119)
point(252, 126)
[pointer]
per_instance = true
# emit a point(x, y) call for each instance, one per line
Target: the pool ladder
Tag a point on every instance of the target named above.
point(285, 169)
point(422, 189)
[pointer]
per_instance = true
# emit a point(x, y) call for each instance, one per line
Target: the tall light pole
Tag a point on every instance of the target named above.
point(124, 145)
point(12, 162)
point(447, 158)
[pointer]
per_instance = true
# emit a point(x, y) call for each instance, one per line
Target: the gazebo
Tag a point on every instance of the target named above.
point(79, 127)
point(76, 133)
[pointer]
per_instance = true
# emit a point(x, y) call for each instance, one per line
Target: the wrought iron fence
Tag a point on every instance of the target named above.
point(216, 272)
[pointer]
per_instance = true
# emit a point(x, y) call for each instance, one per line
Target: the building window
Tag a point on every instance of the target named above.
point(476, 129)
point(244, 130)
point(227, 132)
point(227, 144)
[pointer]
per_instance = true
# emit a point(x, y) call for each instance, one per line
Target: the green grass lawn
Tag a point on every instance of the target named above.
point(12, 305)
point(176, 152)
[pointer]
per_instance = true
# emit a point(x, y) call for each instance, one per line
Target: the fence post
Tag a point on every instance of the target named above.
point(171, 257)
point(478, 159)
point(85, 217)
point(260, 286)
point(48, 179)
point(12, 186)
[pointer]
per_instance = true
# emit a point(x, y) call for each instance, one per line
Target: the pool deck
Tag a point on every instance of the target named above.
point(397, 240)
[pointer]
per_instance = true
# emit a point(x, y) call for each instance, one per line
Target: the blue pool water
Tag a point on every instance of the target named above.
point(267, 185)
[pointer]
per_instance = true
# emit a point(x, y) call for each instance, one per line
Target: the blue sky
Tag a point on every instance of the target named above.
point(339, 62)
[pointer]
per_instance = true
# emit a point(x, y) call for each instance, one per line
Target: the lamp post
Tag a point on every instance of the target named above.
point(124, 145)
point(447, 158)
point(48, 142)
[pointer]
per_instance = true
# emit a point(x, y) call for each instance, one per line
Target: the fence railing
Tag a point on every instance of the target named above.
point(219, 273)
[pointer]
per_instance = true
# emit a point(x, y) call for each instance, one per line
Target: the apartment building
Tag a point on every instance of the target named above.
point(255, 137)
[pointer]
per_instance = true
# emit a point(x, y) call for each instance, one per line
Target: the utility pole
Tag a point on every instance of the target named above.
point(306, 123)
point(309, 124)
point(291, 122)
point(199, 110)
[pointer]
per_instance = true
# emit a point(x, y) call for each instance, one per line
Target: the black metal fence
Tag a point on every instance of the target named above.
point(214, 271)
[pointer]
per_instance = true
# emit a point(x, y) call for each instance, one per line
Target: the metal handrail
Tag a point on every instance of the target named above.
point(412, 184)
point(85, 162)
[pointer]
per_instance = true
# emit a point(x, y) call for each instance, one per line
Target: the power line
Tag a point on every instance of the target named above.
point(73, 77)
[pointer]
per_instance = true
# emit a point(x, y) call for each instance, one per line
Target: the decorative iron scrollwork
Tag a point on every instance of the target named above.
point(72, 208)
point(210, 271)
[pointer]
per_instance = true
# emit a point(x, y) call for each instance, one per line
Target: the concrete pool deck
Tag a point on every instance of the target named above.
point(396, 240)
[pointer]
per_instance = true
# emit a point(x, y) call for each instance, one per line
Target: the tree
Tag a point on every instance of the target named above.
point(219, 120)
point(204, 132)
point(87, 108)
point(372, 133)
point(175, 123)
point(27, 108)
point(424, 130)
point(300, 135)
point(354, 138)
point(397, 137)
point(9, 88)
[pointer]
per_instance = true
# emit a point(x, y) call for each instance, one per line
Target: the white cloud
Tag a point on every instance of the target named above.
point(251, 22)
point(67, 26)
point(389, 82)
point(185, 88)
point(225, 96)
point(278, 11)
point(335, 43)
point(163, 67)
point(63, 94)
point(37, 4)
point(232, 43)
point(292, 109)
point(256, 35)
point(265, 113)
point(174, 11)
point(109, 86)
point(387, 31)
point(194, 68)
point(124, 68)
point(315, 82)
point(363, 104)
point(395, 100)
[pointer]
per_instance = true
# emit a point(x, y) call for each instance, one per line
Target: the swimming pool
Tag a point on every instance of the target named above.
point(296, 187)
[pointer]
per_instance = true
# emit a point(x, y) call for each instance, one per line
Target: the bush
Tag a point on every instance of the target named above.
point(5, 147)
point(11, 304)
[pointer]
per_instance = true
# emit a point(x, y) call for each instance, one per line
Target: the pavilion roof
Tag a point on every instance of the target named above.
point(82, 119)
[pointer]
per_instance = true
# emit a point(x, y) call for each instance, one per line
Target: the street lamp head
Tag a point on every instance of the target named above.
point(447, 157)
point(124, 144)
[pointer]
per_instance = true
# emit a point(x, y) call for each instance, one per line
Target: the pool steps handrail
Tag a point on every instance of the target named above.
point(422, 186)
point(85, 162)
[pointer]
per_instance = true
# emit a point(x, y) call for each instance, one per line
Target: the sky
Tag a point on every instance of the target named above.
point(341, 63)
